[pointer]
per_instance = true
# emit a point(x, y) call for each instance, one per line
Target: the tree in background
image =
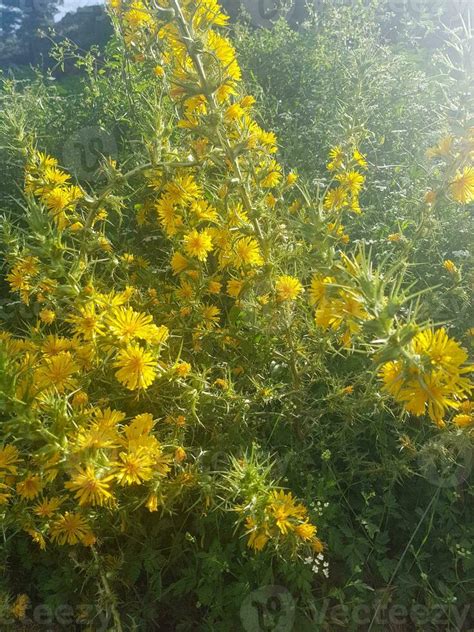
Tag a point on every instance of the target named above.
point(10, 16)
point(21, 25)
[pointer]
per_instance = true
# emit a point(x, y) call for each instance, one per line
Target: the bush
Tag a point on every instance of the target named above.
point(211, 399)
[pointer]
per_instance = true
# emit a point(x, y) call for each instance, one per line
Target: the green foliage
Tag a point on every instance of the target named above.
point(392, 498)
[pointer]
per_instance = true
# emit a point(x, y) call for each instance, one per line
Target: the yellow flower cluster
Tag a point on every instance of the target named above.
point(217, 224)
point(282, 520)
point(99, 386)
point(344, 165)
point(117, 352)
point(430, 377)
point(100, 453)
point(47, 182)
point(456, 154)
point(339, 309)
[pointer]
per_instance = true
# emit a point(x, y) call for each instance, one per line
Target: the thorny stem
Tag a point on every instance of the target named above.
point(188, 39)
point(109, 593)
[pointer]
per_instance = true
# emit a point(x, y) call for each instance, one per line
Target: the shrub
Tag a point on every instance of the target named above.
point(204, 384)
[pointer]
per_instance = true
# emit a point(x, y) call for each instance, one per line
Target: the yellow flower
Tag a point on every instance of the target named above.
point(57, 373)
point(47, 507)
point(127, 257)
point(221, 383)
point(462, 187)
point(248, 101)
point(466, 406)
point(89, 539)
point(359, 158)
point(209, 12)
point(225, 53)
point(29, 487)
point(272, 174)
point(392, 375)
point(288, 288)
point(335, 199)
point(317, 290)
point(104, 243)
point(463, 420)
point(351, 181)
point(336, 154)
point(87, 322)
point(53, 345)
point(433, 380)
point(137, 16)
point(317, 545)
point(20, 606)
point(204, 211)
point(179, 263)
point(18, 281)
point(305, 531)
point(427, 393)
point(47, 316)
point(234, 112)
point(100, 433)
point(283, 507)
point(394, 237)
point(234, 287)
point(57, 201)
point(179, 455)
point(37, 537)
point(210, 314)
point(127, 324)
point(450, 266)
point(198, 244)
point(443, 352)
point(133, 467)
point(54, 177)
point(258, 536)
point(80, 399)
point(9, 456)
point(140, 427)
point(183, 369)
point(69, 528)
point(442, 149)
point(168, 215)
point(214, 287)
point(183, 190)
point(152, 503)
point(89, 488)
point(247, 252)
point(136, 367)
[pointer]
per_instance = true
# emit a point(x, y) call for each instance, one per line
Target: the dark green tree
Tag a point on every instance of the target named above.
point(10, 18)
point(22, 23)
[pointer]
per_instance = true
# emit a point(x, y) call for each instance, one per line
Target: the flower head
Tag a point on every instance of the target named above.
point(136, 367)
point(288, 288)
point(198, 244)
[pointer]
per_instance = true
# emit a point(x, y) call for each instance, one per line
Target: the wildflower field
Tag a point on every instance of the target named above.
point(237, 325)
